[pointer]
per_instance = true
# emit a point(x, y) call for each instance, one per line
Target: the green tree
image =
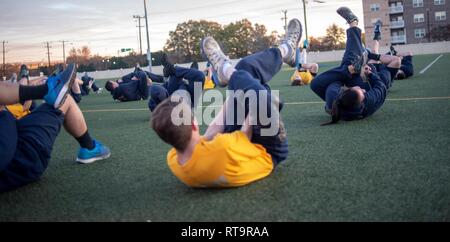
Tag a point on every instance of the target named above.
point(440, 33)
point(184, 41)
point(334, 38)
point(238, 39)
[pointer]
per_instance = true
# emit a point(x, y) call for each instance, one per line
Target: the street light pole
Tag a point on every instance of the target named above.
point(149, 54)
point(304, 15)
point(306, 23)
point(4, 63)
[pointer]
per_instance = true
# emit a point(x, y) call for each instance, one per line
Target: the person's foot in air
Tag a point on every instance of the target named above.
point(347, 14)
point(377, 31)
point(212, 52)
point(59, 86)
point(293, 36)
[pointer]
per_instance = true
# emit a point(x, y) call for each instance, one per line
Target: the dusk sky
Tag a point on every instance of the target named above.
point(107, 25)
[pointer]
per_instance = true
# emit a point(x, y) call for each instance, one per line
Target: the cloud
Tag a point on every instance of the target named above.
point(65, 6)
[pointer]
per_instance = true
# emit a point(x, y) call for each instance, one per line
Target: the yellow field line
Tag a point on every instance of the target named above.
point(289, 103)
point(388, 99)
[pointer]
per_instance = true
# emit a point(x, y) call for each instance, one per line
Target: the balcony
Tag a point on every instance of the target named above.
point(396, 9)
point(398, 39)
point(397, 24)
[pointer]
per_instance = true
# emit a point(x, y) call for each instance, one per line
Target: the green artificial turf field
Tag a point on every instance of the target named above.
point(393, 166)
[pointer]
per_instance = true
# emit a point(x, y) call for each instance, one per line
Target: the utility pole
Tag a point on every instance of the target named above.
point(48, 52)
point(285, 22)
point(4, 62)
point(139, 26)
point(149, 54)
point(64, 51)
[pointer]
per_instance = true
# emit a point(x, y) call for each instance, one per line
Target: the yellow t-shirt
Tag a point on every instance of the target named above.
point(229, 160)
point(17, 110)
point(209, 84)
point(300, 78)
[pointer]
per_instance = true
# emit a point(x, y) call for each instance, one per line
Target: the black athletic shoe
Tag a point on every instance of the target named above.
point(347, 14)
point(359, 62)
point(194, 65)
point(24, 72)
point(169, 68)
point(393, 51)
point(377, 30)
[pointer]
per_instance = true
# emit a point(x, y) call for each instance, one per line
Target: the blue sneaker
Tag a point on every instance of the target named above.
point(59, 86)
point(100, 152)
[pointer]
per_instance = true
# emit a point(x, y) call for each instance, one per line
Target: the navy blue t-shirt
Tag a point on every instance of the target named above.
point(407, 66)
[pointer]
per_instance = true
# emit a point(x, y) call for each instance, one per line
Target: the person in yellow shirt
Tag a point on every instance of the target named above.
point(209, 78)
point(305, 72)
point(20, 110)
point(229, 154)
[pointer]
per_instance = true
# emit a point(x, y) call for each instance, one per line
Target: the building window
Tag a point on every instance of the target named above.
point(419, 18)
point(440, 16)
point(417, 3)
point(439, 2)
point(375, 7)
point(419, 33)
point(374, 20)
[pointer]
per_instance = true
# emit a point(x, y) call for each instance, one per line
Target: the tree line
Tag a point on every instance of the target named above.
point(238, 39)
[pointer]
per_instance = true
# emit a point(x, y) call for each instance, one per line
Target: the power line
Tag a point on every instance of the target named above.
point(285, 21)
point(149, 54)
point(48, 52)
point(64, 51)
point(139, 26)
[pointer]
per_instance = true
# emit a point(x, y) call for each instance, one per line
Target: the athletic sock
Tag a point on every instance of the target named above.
point(284, 49)
point(86, 141)
point(228, 70)
point(373, 56)
point(32, 92)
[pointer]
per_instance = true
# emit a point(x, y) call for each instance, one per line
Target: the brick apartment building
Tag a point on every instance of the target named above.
point(405, 21)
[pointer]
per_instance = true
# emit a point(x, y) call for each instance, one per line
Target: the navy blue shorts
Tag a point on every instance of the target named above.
point(26, 145)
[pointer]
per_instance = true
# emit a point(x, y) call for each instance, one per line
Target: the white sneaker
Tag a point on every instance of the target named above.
point(214, 54)
point(293, 36)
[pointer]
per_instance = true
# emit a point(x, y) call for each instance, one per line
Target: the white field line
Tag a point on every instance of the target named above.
point(432, 63)
point(289, 103)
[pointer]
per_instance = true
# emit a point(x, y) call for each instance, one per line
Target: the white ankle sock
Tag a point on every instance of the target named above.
point(228, 70)
point(284, 50)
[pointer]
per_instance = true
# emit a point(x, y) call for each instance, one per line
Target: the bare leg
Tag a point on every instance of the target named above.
point(388, 60)
point(391, 61)
point(375, 50)
point(312, 67)
point(9, 93)
point(409, 53)
point(76, 86)
point(74, 122)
